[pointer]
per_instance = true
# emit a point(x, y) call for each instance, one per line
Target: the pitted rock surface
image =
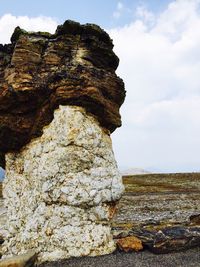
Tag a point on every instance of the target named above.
point(60, 188)
point(39, 71)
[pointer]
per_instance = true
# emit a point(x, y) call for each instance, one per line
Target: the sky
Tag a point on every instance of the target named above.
point(158, 43)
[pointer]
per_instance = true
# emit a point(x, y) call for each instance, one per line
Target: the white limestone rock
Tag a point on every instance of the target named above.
point(58, 188)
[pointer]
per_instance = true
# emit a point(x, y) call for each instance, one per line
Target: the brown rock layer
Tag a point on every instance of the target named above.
point(39, 71)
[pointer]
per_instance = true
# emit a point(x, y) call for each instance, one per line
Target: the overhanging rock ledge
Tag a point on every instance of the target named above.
point(40, 71)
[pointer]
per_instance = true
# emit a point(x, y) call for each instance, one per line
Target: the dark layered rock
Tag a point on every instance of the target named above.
point(165, 238)
point(39, 71)
point(162, 210)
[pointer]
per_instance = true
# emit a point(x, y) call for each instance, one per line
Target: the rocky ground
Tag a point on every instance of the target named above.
point(189, 258)
point(163, 210)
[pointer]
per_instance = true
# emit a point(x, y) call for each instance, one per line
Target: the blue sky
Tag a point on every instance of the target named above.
point(158, 45)
point(99, 12)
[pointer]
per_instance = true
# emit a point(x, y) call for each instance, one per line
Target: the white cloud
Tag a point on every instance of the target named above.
point(8, 23)
point(119, 5)
point(143, 13)
point(120, 10)
point(160, 64)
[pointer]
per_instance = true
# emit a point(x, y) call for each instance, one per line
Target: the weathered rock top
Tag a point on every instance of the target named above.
point(39, 71)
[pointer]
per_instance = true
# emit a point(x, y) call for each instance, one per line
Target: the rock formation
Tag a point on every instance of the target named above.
point(59, 101)
point(40, 71)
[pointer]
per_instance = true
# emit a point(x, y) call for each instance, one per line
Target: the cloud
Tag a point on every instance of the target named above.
point(8, 23)
point(120, 10)
point(143, 13)
point(160, 62)
point(120, 6)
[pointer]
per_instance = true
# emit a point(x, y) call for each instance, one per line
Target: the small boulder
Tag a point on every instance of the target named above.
point(130, 243)
point(25, 260)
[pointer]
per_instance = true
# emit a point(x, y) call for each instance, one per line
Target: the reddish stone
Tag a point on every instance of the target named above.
point(130, 243)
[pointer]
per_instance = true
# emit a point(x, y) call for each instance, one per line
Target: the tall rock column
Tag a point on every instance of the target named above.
point(59, 101)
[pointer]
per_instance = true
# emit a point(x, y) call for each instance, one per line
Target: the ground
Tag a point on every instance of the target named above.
point(189, 258)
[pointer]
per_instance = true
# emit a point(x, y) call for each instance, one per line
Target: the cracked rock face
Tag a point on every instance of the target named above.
point(60, 189)
point(40, 71)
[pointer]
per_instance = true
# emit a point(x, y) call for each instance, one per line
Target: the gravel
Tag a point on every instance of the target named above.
point(189, 258)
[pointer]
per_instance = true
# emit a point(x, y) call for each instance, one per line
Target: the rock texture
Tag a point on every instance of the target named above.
point(162, 210)
point(59, 102)
point(40, 71)
point(129, 243)
point(168, 238)
point(25, 260)
point(60, 188)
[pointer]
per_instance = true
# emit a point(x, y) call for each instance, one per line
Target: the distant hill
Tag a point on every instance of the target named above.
point(2, 173)
point(134, 171)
